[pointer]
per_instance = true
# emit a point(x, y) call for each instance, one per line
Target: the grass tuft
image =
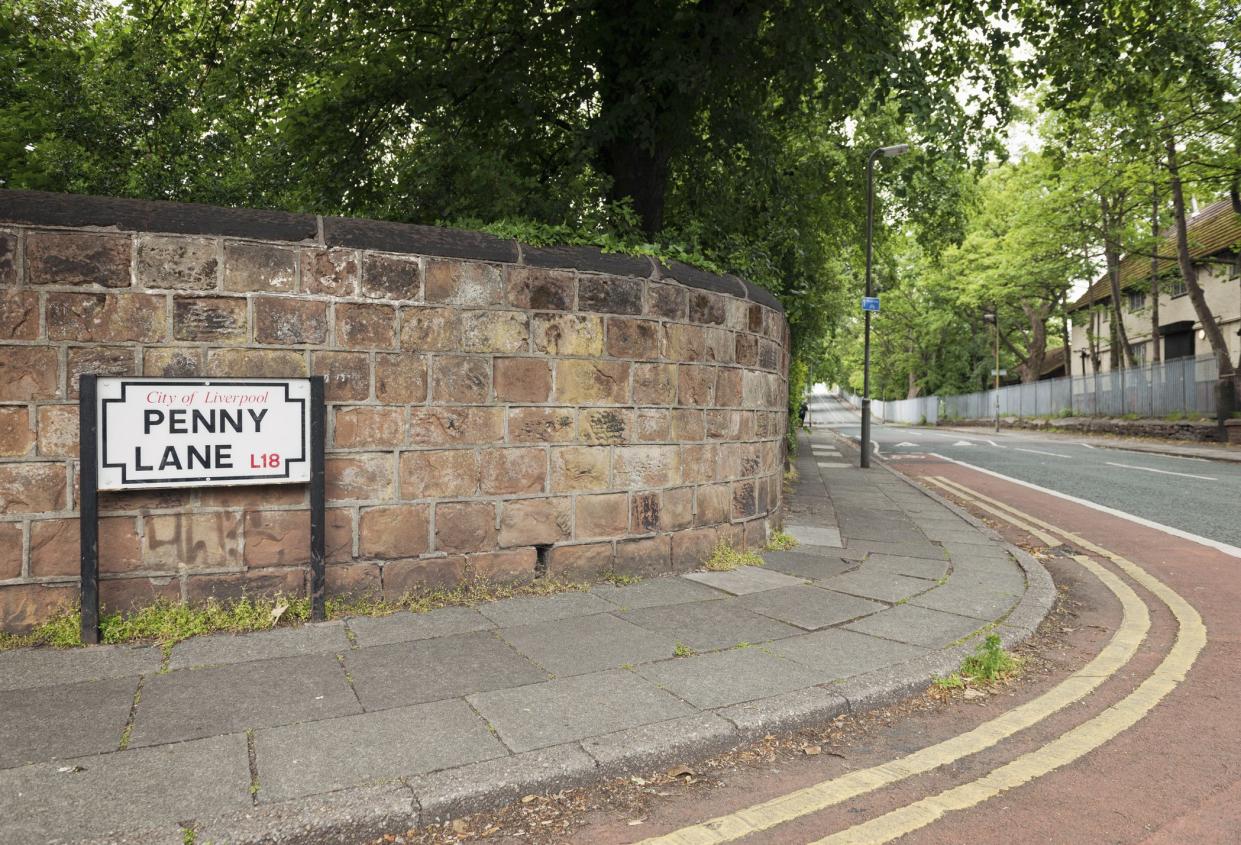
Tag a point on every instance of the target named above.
point(618, 579)
point(682, 650)
point(990, 663)
point(780, 542)
point(725, 558)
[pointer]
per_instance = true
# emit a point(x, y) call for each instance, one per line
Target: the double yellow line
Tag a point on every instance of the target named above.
point(1070, 746)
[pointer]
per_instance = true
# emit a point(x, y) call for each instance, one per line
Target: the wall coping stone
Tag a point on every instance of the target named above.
point(42, 208)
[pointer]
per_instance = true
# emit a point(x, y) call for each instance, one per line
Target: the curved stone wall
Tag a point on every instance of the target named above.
point(494, 409)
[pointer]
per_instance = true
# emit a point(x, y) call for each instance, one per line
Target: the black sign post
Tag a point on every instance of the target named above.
point(318, 486)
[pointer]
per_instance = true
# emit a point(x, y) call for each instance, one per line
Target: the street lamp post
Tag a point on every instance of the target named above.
point(993, 317)
point(885, 152)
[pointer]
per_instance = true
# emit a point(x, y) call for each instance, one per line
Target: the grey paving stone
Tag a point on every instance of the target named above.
point(459, 791)
point(916, 625)
point(968, 600)
point(430, 670)
point(706, 626)
point(655, 592)
point(298, 760)
point(840, 653)
point(807, 565)
point(877, 584)
point(569, 709)
point(728, 677)
point(809, 607)
point(744, 580)
point(403, 627)
point(874, 532)
point(70, 720)
point(912, 567)
point(861, 548)
point(962, 533)
point(23, 668)
point(660, 744)
point(194, 703)
point(812, 535)
point(223, 649)
point(785, 712)
point(528, 610)
point(587, 644)
point(362, 814)
point(124, 791)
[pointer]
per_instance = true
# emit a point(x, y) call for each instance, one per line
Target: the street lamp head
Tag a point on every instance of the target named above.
point(895, 150)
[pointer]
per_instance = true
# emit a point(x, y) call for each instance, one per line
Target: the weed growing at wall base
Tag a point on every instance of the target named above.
point(725, 558)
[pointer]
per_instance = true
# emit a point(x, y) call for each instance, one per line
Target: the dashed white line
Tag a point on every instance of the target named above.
point(1041, 452)
point(1163, 471)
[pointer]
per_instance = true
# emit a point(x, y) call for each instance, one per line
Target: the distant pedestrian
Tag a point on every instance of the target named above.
point(804, 411)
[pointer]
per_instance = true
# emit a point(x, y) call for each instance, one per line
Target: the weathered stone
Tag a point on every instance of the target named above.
point(172, 362)
point(695, 385)
point(58, 431)
point(435, 473)
point(738, 315)
point(688, 424)
point(333, 272)
point(338, 539)
point(629, 338)
point(256, 363)
point(354, 579)
point(643, 467)
point(605, 515)
point(463, 283)
point(391, 277)
point(531, 522)
point(654, 384)
point(369, 425)
point(106, 316)
point(504, 566)
point(746, 350)
point(288, 321)
point(768, 355)
point(568, 334)
point(745, 501)
point(19, 314)
point(592, 382)
point(408, 577)
point(10, 550)
point(23, 606)
point(430, 329)
point(347, 375)
point(120, 595)
point(78, 258)
point(55, 550)
point(723, 425)
point(455, 426)
point(277, 538)
point(577, 468)
point(465, 526)
point(718, 345)
point(706, 307)
point(178, 263)
point(540, 290)
point(192, 541)
point(667, 301)
point(8, 258)
point(360, 326)
point(401, 379)
point(714, 504)
point(495, 331)
point(359, 477)
point(219, 319)
point(691, 548)
point(231, 587)
point(605, 425)
point(667, 510)
point(698, 462)
point(396, 531)
point(582, 562)
point(610, 294)
point(684, 343)
point(727, 387)
point(540, 425)
point(99, 360)
point(654, 425)
point(259, 267)
point(17, 436)
point(460, 378)
point(522, 379)
point(650, 556)
point(514, 470)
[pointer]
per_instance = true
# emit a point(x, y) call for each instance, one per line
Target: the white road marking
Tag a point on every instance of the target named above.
point(1041, 452)
point(833, 464)
point(996, 445)
point(1162, 471)
point(963, 443)
point(1167, 529)
point(907, 444)
point(1088, 446)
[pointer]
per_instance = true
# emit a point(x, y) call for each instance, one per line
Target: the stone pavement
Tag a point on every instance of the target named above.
point(336, 731)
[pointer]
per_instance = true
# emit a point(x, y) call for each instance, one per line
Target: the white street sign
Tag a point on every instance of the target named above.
point(157, 432)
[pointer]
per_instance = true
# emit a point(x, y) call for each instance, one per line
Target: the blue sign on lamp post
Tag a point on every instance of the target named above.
point(870, 303)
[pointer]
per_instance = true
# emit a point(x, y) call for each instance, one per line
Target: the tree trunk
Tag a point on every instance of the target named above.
point(640, 176)
point(1066, 336)
point(1156, 356)
point(1111, 251)
point(1036, 350)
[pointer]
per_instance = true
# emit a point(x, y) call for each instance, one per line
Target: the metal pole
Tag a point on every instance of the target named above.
point(870, 222)
point(88, 515)
point(318, 486)
point(997, 369)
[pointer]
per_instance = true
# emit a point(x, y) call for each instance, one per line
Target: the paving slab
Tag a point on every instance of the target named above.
point(841, 653)
point(222, 649)
point(656, 592)
point(360, 814)
point(68, 720)
point(707, 626)
point(978, 602)
point(404, 626)
point(810, 535)
point(433, 669)
point(809, 607)
point(195, 703)
point(911, 567)
point(807, 565)
point(916, 625)
point(294, 761)
point(877, 584)
point(859, 549)
point(744, 580)
point(587, 644)
point(660, 744)
point(728, 677)
point(124, 791)
point(22, 668)
point(785, 712)
point(570, 709)
point(528, 610)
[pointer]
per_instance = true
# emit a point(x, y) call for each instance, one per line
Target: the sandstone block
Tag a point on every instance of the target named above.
point(367, 477)
point(463, 283)
point(580, 562)
point(8, 258)
point(768, 355)
point(401, 379)
point(746, 350)
point(643, 467)
point(192, 541)
point(654, 425)
point(465, 526)
point(259, 267)
point(505, 566)
point(173, 362)
point(58, 431)
point(369, 425)
point(106, 316)
point(347, 375)
point(411, 577)
point(745, 500)
point(277, 538)
point(723, 425)
point(391, 277)
point(288, 321)
point(738, 315)
point(460, 378)
point(32, 487)
point(353, 579)
point(430, 329)
point(537, 289)
point(610, 294)
point(256, 363)
point(688, 425)
point(605, 515)
point(118, 595)
point(19, 314)
point(592, 382)
point(540, 425)
point(667, 510)
point(455, 426)
point(10, 550)
point(654, 384)
point(568, 334)
point(695, 385)
point(514, 470)
point(100, 360)
point(495, 331)
point(522, 379)
point(667, 301)
point(178, 263)
point(23, 606)
point(577, 468)
point(719, 345)
point(218, 319)
point(707, 307)
point(230, 587)
point(728, 387)
point(605, 425)
point(338, 539)
point(396, 531)
point(684, 343)
point(645, 557)
point(360, 326)
point(435, 473)
point(78, 258)
point(333, 272)
point(17, 436)
point(629, 338)
point(532, 522)
point(698, 462)
point(691, 548)
point(55, 550)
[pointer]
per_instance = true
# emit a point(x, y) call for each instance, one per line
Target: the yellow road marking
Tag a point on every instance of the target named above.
point(1134, 625)
point(1076, 743)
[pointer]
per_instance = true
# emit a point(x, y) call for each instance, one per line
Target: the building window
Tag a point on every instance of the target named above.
point(1137, 299)
point(1177, 288)
point(1139, 352)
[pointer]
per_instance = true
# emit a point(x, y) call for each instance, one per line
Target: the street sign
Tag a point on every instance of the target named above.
point(202, 432)
point(870, 303)
point(999, 372)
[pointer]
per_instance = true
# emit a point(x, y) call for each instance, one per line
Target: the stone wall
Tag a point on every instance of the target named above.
point(493, 407)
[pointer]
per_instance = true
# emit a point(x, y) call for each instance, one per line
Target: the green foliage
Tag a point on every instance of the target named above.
point(682, 650)
point(780, 542)
point(949, 682)
point(725, 558)
point(990, 662)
